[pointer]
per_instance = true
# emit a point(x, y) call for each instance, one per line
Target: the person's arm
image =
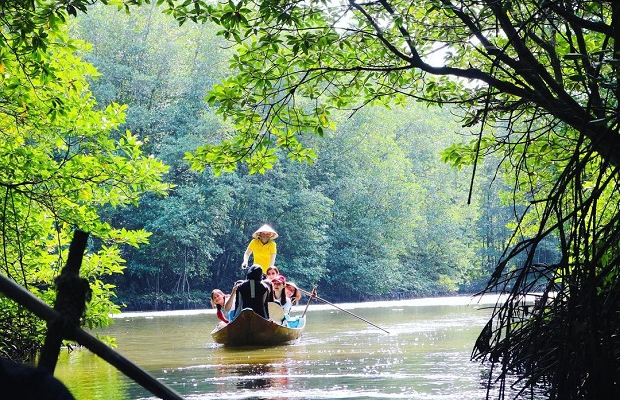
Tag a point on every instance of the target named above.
point(231, 299)
point(272, 262)
point(246, 257)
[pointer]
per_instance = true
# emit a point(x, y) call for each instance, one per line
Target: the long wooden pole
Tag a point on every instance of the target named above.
point(14, 291)
point(313, 295)
point(71, 294)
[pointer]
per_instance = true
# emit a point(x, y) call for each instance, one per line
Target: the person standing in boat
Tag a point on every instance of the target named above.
point(253, 293)
point(262, 247)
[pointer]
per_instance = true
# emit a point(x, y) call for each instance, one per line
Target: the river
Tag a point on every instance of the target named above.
point(426, 355)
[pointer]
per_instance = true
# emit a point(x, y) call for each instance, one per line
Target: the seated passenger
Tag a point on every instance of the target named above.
point(224, 303)
point(278, 294)
point(293, 292)
point(272, 272)
point(253, 293)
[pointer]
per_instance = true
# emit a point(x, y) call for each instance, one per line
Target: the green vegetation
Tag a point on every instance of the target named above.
point(62, 158)
point(379, 215)
point(369, 211)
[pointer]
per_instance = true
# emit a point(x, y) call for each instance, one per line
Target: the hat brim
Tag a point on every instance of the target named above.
point(265, 228)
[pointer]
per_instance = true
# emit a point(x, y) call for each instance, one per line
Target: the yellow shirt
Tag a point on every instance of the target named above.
point(262, 252)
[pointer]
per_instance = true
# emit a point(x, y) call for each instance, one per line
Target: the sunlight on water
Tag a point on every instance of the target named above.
point(426, 355)
point(487, 300)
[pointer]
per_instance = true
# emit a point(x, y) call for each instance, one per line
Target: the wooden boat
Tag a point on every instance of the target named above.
point(250, 329)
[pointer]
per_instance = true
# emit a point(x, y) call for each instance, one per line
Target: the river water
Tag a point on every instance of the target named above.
point(425, 355)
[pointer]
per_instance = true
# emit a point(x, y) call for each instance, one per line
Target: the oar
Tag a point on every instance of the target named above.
point(313, 295)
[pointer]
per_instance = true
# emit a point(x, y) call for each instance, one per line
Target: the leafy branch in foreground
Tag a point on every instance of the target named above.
point(298, 61)
point(61, 160)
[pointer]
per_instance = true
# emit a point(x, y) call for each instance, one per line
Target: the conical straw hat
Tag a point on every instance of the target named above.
point(265, 228)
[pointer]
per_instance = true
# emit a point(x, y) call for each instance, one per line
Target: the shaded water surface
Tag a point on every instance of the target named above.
point(426, 355)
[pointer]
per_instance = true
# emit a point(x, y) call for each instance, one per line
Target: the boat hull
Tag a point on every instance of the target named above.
point(250, 329)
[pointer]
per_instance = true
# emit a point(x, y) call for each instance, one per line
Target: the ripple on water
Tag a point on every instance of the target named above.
point(425, 356)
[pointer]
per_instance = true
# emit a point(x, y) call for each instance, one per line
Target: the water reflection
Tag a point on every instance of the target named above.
point(261, 376)
point(98, 379)
point(257, 369)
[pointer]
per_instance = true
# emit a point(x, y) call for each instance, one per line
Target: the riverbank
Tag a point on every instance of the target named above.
point(469, 301)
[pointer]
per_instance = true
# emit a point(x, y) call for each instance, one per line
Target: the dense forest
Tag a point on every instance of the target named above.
point(378, 215)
